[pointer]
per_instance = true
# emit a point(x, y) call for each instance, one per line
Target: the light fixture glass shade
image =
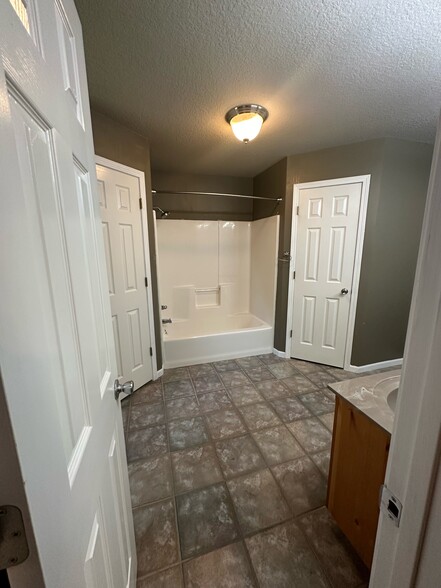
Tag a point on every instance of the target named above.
point(246, 121)
point(246, 126)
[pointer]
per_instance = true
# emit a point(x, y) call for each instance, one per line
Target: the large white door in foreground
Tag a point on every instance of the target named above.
point(57, 355)
point(324, 265)
point(119, 195)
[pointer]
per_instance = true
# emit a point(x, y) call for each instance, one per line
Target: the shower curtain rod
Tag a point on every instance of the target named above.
point(159, 192)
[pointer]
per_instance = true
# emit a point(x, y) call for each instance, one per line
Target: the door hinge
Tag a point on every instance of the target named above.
point(146, 282)
point(140, 203)
point(13, 543)
point(298, 210)
point(290, 334)
point(294, 275)
point(151, 352)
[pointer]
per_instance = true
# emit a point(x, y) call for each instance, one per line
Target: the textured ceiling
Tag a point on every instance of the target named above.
point(330, 72)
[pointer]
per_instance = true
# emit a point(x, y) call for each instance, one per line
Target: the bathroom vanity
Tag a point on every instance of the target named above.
point(363, 423)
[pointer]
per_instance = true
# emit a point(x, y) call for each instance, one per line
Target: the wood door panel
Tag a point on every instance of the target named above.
point(358, 464)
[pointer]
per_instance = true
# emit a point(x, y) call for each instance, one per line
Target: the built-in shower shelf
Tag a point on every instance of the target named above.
point(207, 297)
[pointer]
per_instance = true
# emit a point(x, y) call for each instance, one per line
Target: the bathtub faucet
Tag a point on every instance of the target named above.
point(166, 321)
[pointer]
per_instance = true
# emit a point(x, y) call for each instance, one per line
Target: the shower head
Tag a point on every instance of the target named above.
point(164, 213)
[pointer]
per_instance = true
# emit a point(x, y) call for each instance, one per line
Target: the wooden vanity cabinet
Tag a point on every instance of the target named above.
point(359, 455)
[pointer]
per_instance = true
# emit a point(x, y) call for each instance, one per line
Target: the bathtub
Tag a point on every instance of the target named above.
point(189, 342)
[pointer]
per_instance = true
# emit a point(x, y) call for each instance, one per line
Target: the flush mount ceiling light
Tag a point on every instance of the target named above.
point(246, 121)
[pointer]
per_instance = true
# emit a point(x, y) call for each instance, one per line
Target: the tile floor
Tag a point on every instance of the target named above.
point(228, 465)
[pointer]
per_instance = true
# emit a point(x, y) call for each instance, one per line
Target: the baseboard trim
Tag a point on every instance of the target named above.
point(158, 374)
point(359, 369)
point(283, 354)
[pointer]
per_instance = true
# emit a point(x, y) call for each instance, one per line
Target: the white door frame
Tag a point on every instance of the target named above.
point(158, 277)
point(145, 239)
point(416, 449)
point(365, 184)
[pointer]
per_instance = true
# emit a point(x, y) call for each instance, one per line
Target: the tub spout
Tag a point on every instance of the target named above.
point(166, 321)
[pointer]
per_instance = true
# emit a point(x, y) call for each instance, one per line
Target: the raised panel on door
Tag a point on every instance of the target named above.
point(325, 253)
point(308, 320)
point(118, 349)
point(330, 323)
point(312, 254)
point(130, 280)
point(336, 254)
point(135, 331)
point(109, 258)
point(124, 198)
point(69, 60)
point(116, 499)
point(97, 565)
point(36, 162)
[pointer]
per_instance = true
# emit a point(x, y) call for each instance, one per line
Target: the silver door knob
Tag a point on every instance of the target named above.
point(126, 388)
point(344, 290)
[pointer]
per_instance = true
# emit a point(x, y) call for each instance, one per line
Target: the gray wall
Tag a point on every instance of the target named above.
point(390, 252)
point(399, 177)
point(203, 207)
point(120, 144)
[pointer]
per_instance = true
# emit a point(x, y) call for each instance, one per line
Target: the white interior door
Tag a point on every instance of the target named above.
point(326, 242)
point(119, 196)
point(57, 355)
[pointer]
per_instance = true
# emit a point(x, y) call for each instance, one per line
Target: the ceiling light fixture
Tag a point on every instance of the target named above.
point(246, 121)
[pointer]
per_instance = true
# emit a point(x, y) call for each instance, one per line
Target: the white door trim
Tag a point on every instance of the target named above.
point(145, 239)
point(160, 372)
point(415, 449)
point(365, 182)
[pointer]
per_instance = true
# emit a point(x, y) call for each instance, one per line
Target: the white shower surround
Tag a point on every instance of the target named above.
point(218, 281)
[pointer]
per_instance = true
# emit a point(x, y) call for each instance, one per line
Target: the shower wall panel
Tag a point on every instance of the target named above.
point(264, 247)
point(211, 266)
point(234, 262)
point(188, 256)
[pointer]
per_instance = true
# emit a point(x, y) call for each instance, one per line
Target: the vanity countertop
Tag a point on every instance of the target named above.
point(369, 395)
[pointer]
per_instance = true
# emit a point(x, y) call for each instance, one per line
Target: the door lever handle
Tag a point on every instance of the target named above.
point(126, 388)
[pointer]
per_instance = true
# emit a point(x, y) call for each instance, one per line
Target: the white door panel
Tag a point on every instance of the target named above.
point(324, 265)
point(119, 195)
point(57, 353)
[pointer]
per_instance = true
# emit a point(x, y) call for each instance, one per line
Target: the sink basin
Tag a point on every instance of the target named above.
point(374, 395)
point(392, 399)
point(386, 392)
